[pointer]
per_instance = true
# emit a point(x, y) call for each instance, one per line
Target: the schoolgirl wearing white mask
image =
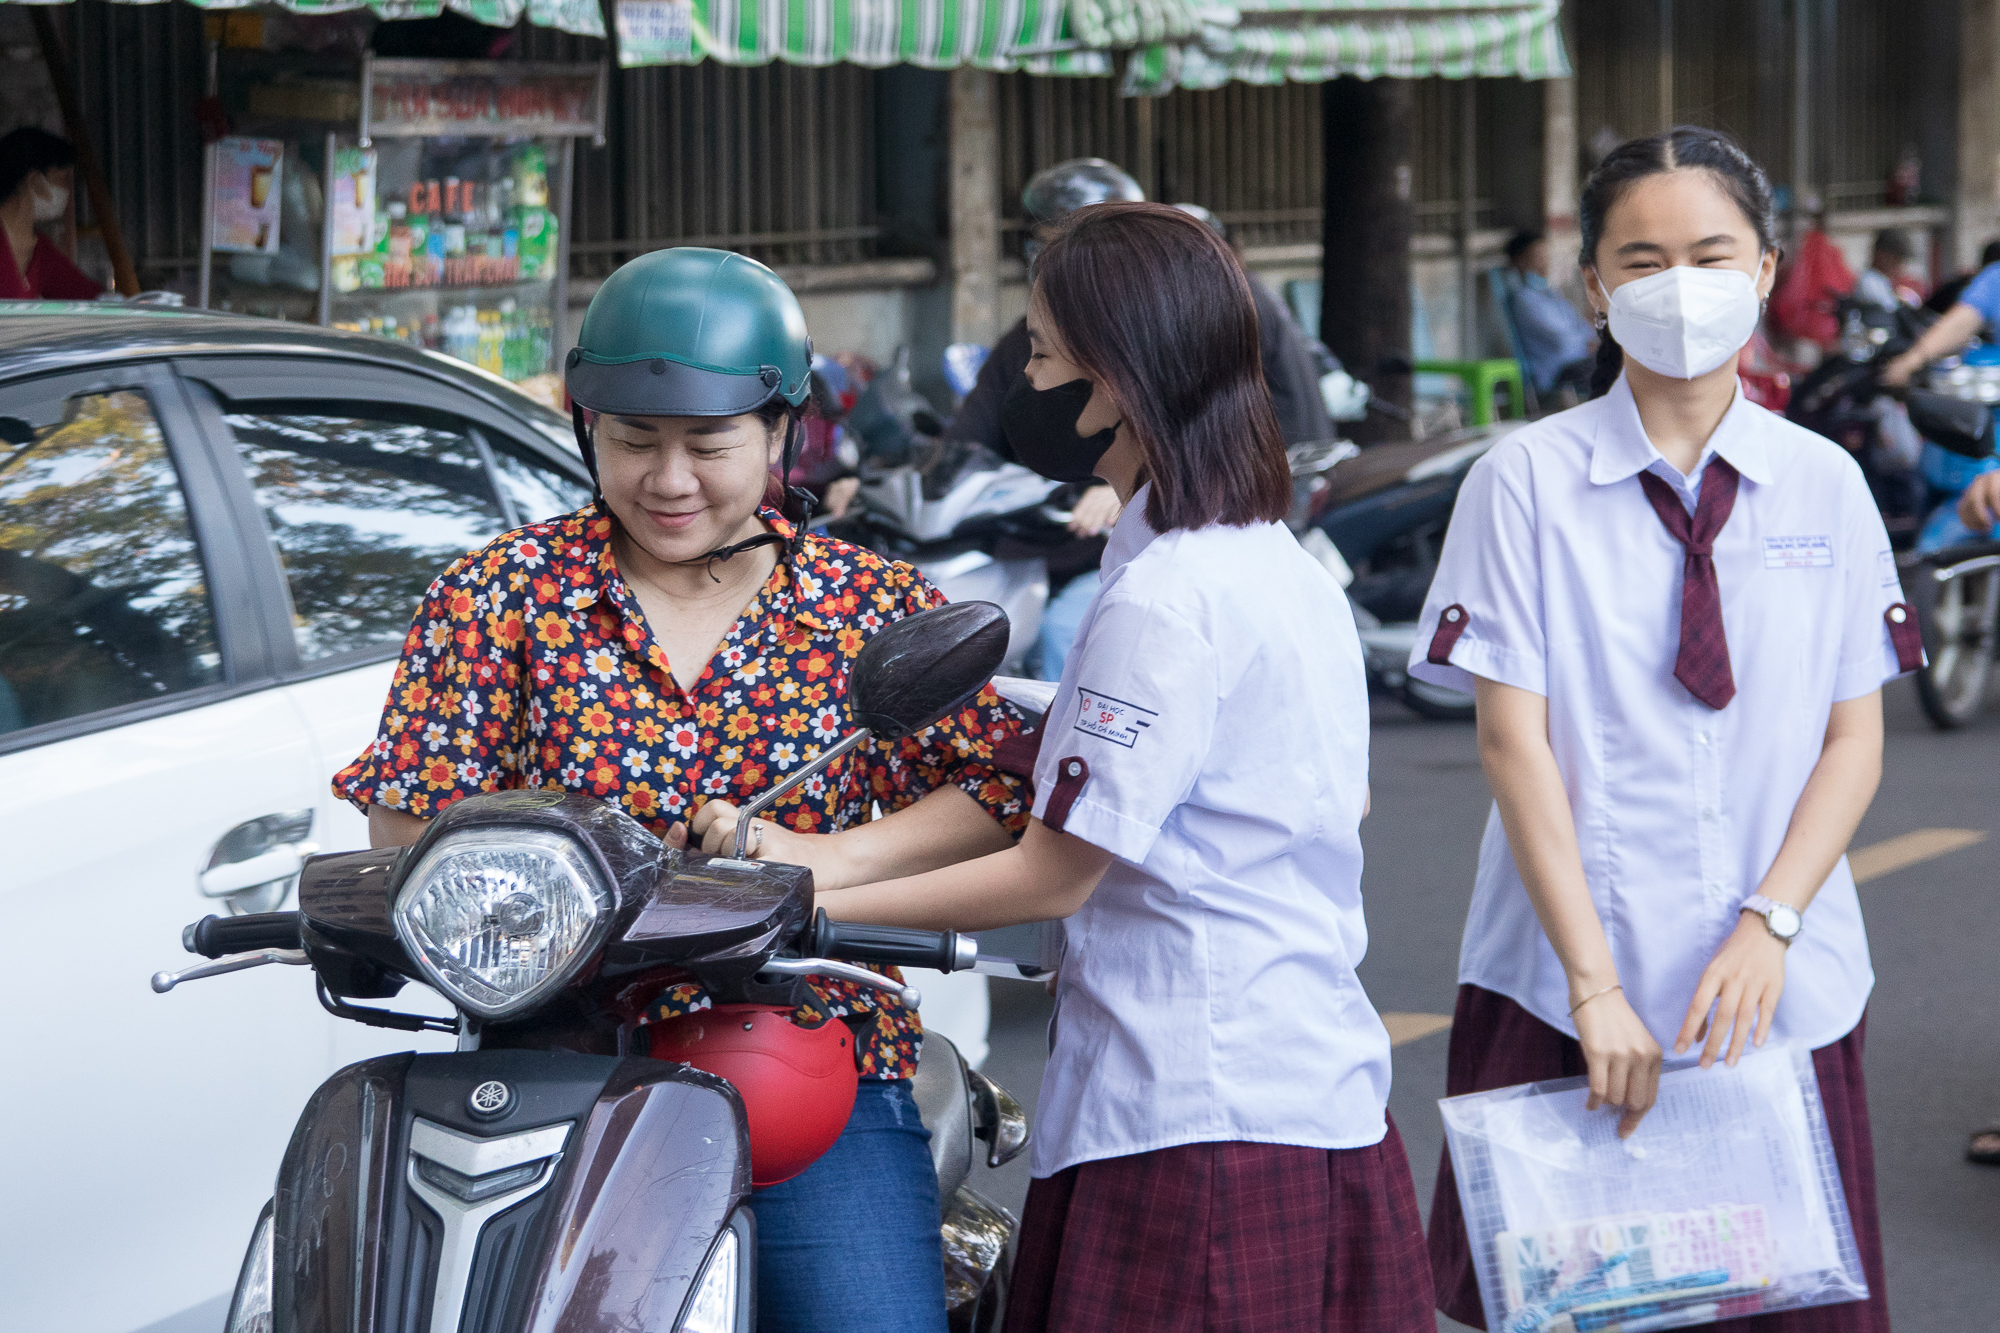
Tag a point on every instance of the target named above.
point(1677, 610)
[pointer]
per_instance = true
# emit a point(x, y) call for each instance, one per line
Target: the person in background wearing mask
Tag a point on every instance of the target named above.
point(1884, 283)
point(35, 177)
point(1290, 374)
point(1556, 341)
point(1212, 1148)
point(1677, 610)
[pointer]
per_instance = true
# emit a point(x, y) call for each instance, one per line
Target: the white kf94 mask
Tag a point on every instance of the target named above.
point(1684, 322)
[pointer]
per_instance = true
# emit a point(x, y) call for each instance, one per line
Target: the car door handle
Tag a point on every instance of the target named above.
point(281, 862)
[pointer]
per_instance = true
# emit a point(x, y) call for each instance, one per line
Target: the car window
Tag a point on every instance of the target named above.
point(367, 505)
point(103, 597)
point(537, 490)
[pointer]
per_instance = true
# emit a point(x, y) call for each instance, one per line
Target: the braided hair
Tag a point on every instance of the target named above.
point(1685, 147)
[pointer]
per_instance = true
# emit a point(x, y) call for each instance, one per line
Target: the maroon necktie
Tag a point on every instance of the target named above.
point(1703, 663)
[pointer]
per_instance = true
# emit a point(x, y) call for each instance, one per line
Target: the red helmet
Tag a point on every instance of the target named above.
point(797, 1083)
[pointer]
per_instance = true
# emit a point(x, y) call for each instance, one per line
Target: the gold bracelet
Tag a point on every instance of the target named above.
point(1588, 998)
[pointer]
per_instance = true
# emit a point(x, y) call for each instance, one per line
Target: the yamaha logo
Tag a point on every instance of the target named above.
point(490, 1099)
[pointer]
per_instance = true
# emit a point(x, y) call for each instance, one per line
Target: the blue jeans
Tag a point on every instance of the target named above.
point(850, 1245)
point(1061, 619)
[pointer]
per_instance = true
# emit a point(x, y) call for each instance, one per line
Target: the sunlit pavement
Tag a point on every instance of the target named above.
point(1930, 861)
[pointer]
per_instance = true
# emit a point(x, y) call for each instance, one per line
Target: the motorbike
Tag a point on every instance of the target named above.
point(1918, 457)
point(1953, 580)
point(1384, 509)
point(571, 1166)
point(1842, 399)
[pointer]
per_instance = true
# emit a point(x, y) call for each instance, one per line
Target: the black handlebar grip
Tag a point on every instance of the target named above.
point(216, 936)
point(890, 945)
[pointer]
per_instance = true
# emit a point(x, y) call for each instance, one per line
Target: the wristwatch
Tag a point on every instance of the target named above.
point(1781, 919)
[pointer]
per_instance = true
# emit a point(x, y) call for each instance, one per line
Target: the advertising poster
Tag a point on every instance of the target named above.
point(353, 209)
point(248, 195)
point(653, 32)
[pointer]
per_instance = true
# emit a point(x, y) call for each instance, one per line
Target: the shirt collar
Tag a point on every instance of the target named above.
point(598, 577)
point(1620, 449)
point(1131, 534)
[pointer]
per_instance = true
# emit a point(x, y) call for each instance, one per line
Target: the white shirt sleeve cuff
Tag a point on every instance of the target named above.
point(1101, 826)
point(1472, 657)
point(1857, 679)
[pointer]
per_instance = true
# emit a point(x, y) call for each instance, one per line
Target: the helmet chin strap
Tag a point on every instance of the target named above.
point(792, 544)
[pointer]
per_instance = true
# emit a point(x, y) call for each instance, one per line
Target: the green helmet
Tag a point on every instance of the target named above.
point(690, 332)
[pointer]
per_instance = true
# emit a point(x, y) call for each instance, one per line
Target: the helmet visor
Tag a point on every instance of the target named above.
point(663, 387)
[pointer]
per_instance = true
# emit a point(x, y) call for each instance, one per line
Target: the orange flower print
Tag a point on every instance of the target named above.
point(553, 629)
point(520, 672)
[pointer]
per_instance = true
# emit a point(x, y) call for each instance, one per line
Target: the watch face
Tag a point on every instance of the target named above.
point(1784, 921)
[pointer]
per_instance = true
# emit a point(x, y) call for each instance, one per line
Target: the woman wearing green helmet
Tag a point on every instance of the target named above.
point(676, 647)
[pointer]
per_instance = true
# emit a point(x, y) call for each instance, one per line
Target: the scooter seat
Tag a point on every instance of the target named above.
point(945, 1104)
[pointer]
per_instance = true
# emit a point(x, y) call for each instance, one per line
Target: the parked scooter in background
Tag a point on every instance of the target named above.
point(1384, 509)
point(570, 1166)
point(1953, 582)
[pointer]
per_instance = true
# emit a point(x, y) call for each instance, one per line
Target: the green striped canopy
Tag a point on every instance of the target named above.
point(1168, 43)
point(581, 17)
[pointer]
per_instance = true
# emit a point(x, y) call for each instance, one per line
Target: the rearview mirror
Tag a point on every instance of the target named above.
point(1956, 424)
point(908, 676)
point(926, 666)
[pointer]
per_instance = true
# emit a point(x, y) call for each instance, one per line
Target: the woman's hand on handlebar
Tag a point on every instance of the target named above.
point(1622, 1058)
point(713, 830)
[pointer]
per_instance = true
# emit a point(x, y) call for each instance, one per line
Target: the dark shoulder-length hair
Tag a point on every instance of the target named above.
point(1154, 305)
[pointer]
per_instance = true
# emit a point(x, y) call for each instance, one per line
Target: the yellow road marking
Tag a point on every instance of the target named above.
point(1406, 1028)
point(1900, 853)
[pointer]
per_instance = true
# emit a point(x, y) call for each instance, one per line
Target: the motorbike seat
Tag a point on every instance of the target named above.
point(944, 1101)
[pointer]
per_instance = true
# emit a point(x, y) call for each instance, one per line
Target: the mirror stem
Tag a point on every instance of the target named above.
point(772, 797)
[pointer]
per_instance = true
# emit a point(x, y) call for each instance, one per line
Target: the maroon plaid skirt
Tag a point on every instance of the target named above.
point(1495, 1043)
point(1215, 1237)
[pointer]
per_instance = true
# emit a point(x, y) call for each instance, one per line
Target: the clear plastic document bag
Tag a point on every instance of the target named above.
point(1725, 1202)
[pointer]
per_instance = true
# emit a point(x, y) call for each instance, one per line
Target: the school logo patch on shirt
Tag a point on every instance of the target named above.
point(1798, 552)
point(1111, 719)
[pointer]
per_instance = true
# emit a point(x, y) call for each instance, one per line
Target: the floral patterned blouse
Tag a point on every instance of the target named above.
point(530, 665)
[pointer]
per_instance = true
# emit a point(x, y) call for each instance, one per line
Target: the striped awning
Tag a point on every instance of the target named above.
point(1163, 44)
point(582, 17)
point(1031, 35)
point(1310, 41)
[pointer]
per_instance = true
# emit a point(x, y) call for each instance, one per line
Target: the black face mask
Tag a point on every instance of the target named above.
point(1040, 426)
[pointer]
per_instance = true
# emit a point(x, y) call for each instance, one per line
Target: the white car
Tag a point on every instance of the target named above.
point(213, 533)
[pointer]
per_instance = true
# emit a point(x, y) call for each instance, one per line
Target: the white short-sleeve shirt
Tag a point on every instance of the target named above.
point(1558, 577)
point(1211, 732)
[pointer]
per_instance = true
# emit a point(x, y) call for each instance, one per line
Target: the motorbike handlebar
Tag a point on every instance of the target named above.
point(944, 950)
point(215, 936)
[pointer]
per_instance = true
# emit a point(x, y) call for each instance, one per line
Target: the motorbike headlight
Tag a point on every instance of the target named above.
point(250, 1308)
point(713, 1307)
point(498, 917)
